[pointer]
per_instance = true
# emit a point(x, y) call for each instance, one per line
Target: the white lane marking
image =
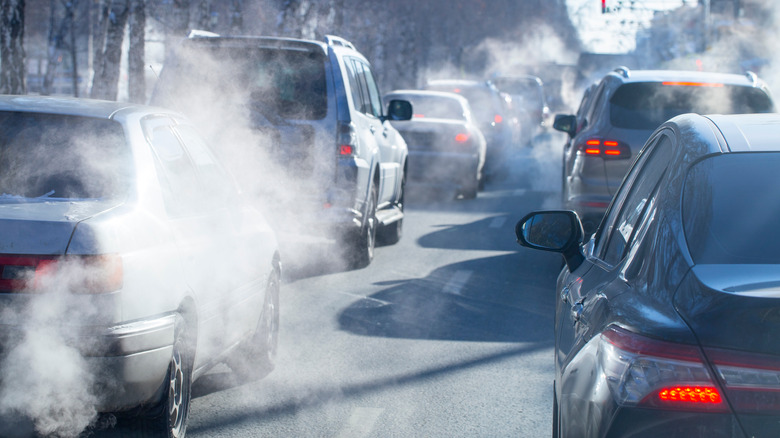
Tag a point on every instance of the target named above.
point(456, 282)
point(361, 423)
point(364, 297)
point(497, 222)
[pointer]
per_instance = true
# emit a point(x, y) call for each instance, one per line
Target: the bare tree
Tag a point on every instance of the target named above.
point(135, 55)
point(12, 56)
point(112, 18)
point(62, 39)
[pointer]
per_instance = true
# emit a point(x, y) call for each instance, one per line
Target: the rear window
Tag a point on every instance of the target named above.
point(433, 107)
point(272, 82)
point(483, 102)
point(57, 156)
point(646, 105)
point(731, 206)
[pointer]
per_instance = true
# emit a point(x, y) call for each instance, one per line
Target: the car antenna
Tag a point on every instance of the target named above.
point(172, 98)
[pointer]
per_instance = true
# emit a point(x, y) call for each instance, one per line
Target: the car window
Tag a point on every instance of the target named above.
point(632, 201)
point(355, 87)
point(176, 174)
point(373, 91)
point(434, 107)
point(59, 156)
point(215, 182)
point(724, 226)
point(646, 105)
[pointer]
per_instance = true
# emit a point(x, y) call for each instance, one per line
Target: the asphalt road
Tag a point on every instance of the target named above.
point(448, 333)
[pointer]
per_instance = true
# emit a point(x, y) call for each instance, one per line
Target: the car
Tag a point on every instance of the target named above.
point(530, 102)
point(621, 113)
point(129, 259)
point(665, 322)
point(314, 110)
point(493, 114)
point(446, 148)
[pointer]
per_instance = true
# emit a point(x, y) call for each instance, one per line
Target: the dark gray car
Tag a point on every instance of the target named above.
point(620, 114)
point(666, 319)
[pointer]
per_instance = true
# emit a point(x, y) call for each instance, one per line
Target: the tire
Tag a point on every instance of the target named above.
point(360, 246)
point(257, 357)
point(470, 189)
point(168, 418)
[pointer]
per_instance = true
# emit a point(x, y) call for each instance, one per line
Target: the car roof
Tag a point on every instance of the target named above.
point(459, 82)
point(749, 132)
point(68, 106)
point(259, 42)
point(627, 76)
point(429, 93)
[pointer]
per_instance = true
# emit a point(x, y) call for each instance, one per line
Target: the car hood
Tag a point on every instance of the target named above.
point(33, 226)
point(733, 306)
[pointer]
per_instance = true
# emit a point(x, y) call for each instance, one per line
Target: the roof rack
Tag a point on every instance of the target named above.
point(623, 70)
point(334, 40)
point(752, 77)
point(198, 33)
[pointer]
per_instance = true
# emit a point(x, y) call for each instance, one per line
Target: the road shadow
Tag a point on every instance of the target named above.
point(463, 302)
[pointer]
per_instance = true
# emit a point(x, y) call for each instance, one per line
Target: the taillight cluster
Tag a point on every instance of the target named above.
point(346, 140)
point(86, 274)
point(642, 371)
point(604, 148)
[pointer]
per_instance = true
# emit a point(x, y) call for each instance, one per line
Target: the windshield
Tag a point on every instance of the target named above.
point(277, 83)
point(56, 156)
point(646, 105)
point(723, 225)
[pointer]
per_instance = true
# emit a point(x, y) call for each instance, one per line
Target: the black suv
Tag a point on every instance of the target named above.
point(314, 110)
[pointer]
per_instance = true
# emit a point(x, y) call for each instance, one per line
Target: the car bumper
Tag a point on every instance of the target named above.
point(636, 423)
point(127, 363)
point(436, 168)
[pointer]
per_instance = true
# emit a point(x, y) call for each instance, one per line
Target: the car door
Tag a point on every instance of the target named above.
point(585, 291)
point(193, 223)
point(389, 166)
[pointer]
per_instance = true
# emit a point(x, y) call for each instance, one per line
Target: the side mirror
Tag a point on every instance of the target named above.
point(556, 231)
point(565, 123)
point(399, 110)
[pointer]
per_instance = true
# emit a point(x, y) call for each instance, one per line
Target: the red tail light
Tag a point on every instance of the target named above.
point(419, 116)
point(498, 119)
point(605, 148)
point(642, 371)
point(73, 274)
point(347, 140)
point(461, 138)
point(692, 84)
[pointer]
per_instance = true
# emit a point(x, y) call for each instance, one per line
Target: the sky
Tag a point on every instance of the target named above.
point(615, 31)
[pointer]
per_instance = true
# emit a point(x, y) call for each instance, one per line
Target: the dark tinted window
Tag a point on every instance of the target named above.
point(646, 105)
point(57, 156)
point(731, 207)
point(274, 82)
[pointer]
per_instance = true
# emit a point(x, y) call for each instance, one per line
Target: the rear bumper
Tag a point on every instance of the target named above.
point(126, 363)
point(437, 168)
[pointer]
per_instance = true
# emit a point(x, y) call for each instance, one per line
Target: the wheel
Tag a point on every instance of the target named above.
point(360, 246)
point(391, 234)
point(257, 357)
point(168, 418)
point(470, 189)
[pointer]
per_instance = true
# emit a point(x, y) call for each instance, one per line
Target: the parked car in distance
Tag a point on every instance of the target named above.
point(529, 101)
point(665, 319)
point(446, 147)
point(125, 243)
point(494, 117)
point(621, 113)
point(315, 109)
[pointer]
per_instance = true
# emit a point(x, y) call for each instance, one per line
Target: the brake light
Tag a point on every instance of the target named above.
point(692, 84)
point(347, 139)
point(86, 274)
point(456, 90)
point(752, 381)
point(642, 371)
point(462, 138)
point(605, 148)
point(419, 116)
point(498, 118)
